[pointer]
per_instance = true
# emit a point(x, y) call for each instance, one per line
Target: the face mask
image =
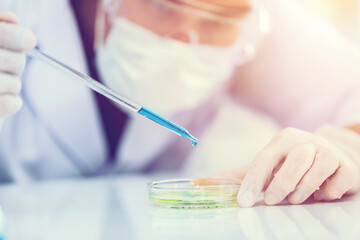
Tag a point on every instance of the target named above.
point(164, 75)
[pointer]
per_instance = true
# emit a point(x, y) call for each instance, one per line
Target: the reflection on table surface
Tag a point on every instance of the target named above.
point(118, 208)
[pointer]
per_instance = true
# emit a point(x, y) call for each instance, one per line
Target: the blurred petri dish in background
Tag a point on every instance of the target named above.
point(194, 193)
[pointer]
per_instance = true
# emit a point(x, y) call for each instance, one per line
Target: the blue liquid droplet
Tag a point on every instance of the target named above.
point(194, 143)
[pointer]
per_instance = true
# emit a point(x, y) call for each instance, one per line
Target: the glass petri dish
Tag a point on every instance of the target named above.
point(194, 193)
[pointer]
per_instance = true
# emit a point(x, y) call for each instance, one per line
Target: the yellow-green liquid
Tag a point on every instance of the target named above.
point(204, 198)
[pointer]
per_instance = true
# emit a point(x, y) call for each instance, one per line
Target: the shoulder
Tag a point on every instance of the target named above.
point(34, 12)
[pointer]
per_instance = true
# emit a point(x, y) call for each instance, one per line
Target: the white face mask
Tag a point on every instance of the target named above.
point(164, 75)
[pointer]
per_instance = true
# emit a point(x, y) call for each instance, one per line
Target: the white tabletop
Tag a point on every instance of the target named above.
point(118, 208)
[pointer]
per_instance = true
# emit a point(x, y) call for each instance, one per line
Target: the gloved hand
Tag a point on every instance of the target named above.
point(14, 41)
point(297, 164)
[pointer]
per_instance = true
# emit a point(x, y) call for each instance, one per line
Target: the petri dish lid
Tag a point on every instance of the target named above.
point(194, 193)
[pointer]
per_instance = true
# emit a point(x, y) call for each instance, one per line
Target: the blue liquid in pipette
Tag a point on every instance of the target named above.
point(166, 123)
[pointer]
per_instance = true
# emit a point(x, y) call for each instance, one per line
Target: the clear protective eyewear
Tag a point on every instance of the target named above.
point(208, 22)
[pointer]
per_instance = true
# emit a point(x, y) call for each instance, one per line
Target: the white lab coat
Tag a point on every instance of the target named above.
point(57, 111)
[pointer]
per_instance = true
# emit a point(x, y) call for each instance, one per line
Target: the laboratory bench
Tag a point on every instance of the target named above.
point(118, 207)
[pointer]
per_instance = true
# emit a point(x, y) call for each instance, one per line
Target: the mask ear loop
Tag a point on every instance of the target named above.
point(193, 36)
point(253, 42)
point(106, 14)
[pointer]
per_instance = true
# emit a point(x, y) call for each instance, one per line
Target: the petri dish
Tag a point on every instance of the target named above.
point(194, 193)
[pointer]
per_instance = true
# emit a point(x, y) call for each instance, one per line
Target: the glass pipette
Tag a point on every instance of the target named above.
point(111, 94)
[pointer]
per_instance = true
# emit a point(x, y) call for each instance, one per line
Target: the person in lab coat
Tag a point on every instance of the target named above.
point(63, 129)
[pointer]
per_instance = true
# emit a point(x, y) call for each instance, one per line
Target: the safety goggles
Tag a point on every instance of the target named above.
point(209, 22)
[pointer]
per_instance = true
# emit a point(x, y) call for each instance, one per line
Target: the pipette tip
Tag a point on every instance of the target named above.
point(194, 140)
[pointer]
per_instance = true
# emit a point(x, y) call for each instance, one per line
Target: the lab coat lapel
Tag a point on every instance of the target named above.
point(68, 111)
point(65, 106)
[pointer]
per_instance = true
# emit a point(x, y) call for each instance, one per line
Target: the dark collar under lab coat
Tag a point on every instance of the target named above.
point(113, 119)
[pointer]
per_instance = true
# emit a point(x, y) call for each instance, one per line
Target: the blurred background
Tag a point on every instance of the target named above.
point(343, 14)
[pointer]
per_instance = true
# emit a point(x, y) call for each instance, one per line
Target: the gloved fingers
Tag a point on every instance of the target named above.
point(9, 84)
point(12, 62)
point(9, 104)
point(343, 181)
point(258, 175)
point(296, 164)
point(9, 17)
point(15, 37)
point(325, 164)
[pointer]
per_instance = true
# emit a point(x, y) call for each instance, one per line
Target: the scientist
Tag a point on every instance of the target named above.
point(176, 57)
